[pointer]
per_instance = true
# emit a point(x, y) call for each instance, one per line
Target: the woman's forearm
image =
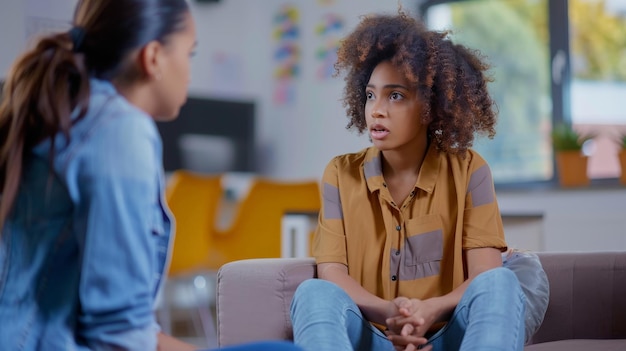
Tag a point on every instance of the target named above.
point(374, 308)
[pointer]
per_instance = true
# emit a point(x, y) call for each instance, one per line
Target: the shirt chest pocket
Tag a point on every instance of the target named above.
point(423, 248)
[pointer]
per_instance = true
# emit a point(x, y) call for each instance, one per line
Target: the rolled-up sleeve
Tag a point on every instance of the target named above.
point(482, 220)
point(118, 187)
point(329, 244)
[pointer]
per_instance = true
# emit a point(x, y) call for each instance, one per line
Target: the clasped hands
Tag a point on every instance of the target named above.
point(410, 320)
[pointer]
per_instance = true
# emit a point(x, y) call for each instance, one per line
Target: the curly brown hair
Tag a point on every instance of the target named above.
point(449, 78)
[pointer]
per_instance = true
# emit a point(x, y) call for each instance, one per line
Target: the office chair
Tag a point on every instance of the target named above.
point(194, 200)
point(256, 228)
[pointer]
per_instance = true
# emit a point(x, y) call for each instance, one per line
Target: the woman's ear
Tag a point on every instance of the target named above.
point(149, 60)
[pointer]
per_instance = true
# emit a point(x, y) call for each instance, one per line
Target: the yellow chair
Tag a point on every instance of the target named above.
point(194, 200)
point(256, 228)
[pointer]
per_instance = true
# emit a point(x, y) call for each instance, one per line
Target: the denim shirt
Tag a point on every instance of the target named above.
point(84, 249)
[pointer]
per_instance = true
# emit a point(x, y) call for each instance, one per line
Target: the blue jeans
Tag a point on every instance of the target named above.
point(490, 316)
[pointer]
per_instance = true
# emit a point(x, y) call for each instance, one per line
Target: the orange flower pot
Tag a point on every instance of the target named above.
point(572, 168)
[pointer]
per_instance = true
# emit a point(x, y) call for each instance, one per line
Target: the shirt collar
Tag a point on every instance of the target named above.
point(102, 86)
point(373, 170)
point(430, 170)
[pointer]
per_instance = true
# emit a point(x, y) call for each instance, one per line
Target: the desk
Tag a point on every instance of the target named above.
point(295, 228)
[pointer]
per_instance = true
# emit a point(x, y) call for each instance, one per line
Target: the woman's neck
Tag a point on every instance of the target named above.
point(137, 94)
point(400, 171)
point(404, 162)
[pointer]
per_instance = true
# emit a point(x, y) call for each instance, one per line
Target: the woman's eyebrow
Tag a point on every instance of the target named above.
point(389, 86)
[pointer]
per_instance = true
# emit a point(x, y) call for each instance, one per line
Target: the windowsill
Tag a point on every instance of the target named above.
point(553, 186)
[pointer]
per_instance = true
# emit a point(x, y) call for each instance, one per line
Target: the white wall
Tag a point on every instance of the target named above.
point(295, 140)
point(11, 33)
point(22, 20)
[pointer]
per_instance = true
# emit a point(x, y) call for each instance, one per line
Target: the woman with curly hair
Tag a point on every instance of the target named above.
point(409, 241)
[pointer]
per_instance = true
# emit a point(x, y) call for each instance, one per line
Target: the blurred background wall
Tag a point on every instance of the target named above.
point(274, 58)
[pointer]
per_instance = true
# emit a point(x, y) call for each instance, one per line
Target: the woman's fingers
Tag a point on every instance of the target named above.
point(407, 329)
point(404, 341)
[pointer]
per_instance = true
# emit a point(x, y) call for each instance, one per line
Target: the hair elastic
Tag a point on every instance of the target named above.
point(78, 35)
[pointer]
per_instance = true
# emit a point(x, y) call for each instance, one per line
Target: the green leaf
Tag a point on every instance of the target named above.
point(565, 138)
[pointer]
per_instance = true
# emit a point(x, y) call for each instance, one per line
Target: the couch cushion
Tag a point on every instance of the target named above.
point(579, 345)
point(587, 292)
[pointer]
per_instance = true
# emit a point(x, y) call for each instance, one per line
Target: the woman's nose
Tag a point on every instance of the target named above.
point(378, 109)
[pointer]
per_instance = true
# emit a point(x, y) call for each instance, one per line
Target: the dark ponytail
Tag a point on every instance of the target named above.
point(48, 83)
point(42, 89)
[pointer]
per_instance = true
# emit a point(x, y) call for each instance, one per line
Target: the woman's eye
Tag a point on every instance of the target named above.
point(396, 96)
point(369, 95)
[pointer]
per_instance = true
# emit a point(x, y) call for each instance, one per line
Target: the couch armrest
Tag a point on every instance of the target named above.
point(587, 296)
point(253, 298)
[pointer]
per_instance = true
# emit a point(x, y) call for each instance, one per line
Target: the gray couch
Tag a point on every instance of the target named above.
point(587, 308)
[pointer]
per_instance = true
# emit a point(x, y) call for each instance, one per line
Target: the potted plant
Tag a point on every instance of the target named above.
point(570, 161)
point(622, 157)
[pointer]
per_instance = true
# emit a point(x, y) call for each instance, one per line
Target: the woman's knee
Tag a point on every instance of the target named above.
point(317, 288)
point(498, 274)
point(499, 278)
point(319, 300)
point(318, 292)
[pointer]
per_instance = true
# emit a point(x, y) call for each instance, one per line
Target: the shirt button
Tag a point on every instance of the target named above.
point(398, 228)
point(394, 278)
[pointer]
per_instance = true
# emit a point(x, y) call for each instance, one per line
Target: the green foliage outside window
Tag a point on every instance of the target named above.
point(506, 34)
point(513, 35)
point(598, 41)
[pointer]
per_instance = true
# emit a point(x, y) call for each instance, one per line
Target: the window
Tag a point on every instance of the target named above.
point(527, 43)
point(598, 90)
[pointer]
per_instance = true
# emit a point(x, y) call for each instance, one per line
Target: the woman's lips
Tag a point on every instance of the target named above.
point(378, 132)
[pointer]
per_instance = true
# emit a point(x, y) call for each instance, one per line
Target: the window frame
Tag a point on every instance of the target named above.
point(561, 76)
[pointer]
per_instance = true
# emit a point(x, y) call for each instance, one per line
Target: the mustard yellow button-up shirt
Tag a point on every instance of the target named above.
point(413, 249)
